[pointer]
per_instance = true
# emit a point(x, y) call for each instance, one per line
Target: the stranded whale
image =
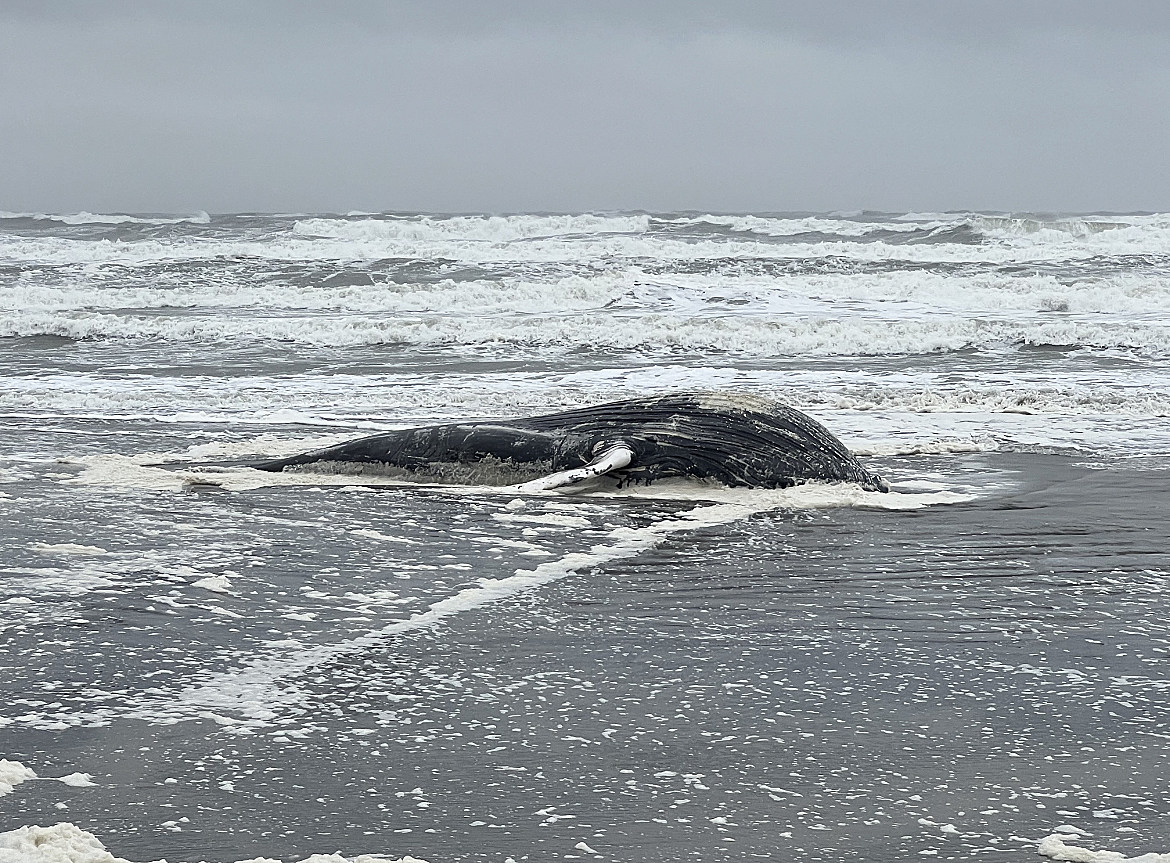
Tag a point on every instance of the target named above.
point(737, 440)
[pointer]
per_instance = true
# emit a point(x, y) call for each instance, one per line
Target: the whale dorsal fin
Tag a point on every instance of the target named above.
point(614, 457)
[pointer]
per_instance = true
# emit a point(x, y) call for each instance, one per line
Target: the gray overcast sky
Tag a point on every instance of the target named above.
point(489, 105)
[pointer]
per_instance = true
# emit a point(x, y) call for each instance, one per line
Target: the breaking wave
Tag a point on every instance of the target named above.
point(84, 218)
point(653, 334)
point(592, 239)
point(492, 229)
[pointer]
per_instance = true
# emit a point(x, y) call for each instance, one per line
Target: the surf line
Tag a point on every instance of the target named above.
point(256, 693)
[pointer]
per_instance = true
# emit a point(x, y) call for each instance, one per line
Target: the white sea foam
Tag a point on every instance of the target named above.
point(1056, 847)
point(72, 580)
point(68, 549)
point(67, 843)
point(13, 773)
point(120, 471)
point(214, 583)
point(813, 495)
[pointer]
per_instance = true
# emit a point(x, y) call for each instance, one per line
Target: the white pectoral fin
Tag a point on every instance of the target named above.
point(615, 457)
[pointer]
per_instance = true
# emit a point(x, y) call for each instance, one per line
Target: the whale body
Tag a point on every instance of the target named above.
point(734, 439)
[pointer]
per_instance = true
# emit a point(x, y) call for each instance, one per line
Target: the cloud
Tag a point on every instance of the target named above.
point(501, 106)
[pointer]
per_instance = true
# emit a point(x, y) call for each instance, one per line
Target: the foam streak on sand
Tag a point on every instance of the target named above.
point(256, 689)
point(255, 693)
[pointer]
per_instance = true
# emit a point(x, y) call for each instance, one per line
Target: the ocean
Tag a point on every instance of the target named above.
point(204, 662)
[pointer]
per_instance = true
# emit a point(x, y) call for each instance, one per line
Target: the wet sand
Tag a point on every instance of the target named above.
point(832, 684)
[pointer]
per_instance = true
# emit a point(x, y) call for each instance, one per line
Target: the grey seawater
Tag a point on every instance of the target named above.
point(834, 684)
